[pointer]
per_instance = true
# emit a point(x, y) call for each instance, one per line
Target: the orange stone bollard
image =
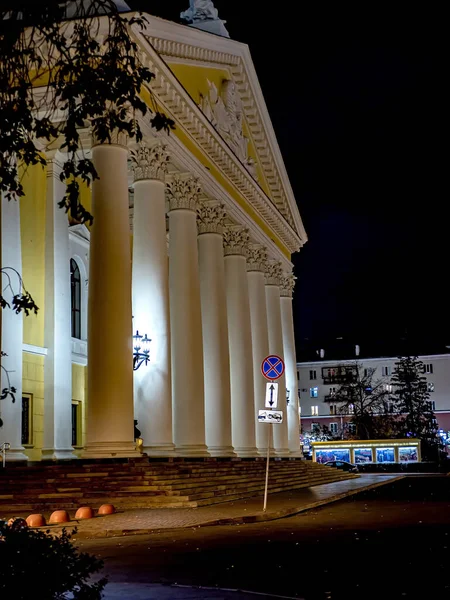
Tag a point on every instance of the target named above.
point(106, 509)
point(59, 516)
point(36, 520)
point(84, 512)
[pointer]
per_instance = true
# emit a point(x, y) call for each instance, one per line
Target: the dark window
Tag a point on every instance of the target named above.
point(74, 424)
point(75, 287)
point(26, 408)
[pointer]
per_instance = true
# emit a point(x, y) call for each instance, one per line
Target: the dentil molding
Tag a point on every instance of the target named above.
point(174, 98)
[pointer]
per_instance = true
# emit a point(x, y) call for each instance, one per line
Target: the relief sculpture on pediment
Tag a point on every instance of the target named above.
point(224, 109)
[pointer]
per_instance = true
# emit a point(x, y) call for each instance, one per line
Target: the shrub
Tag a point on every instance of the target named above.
point(36, 564)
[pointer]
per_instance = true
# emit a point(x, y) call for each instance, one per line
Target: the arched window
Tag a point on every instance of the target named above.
point(75, 289)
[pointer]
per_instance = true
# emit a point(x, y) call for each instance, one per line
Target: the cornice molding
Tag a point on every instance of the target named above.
point(150, 162)
point(175, 99)
point(235, 240)
point(257, 258)
point(175, 49)
point(183, 192)
point(210, 217)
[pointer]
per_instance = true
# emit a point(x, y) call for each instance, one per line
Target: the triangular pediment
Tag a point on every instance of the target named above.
point(219, 76)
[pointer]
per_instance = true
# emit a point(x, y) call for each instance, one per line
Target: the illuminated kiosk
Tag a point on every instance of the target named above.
point(368, 451)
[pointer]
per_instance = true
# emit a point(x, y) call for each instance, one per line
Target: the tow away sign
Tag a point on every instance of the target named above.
point(270, 416)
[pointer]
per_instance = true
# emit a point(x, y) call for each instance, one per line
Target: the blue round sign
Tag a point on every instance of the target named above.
point(272, 367)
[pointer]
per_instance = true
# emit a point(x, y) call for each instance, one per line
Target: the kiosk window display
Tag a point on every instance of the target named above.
point(323, 456)
point(385, 455)
point(408, 454)
point(363, 455)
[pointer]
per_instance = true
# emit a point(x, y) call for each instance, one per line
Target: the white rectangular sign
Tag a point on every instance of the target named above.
point(271, 395)
point(270, 416)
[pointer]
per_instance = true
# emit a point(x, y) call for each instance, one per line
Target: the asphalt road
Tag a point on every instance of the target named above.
point(389, 543)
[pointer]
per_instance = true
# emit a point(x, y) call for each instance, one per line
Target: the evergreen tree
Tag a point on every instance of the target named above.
point(415, 416)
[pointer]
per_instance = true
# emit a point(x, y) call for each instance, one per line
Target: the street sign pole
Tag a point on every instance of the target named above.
point(269, 430)
point(272, 368)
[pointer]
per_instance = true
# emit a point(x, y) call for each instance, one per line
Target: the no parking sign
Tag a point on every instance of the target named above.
point(272, 367)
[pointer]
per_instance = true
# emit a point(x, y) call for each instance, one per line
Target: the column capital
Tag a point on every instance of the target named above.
point(183, 192)
point(235, 239)
point(257, 258)
point(117, 138)
point(54, 165)
point(274, 273)
point(287, 285)
point(210, 217)
point(150, 162)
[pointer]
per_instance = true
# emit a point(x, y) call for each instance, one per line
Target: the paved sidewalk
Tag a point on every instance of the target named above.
point(149, 591)
point(283, 504)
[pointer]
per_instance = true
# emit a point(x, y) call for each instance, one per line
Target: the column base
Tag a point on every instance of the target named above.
point(282, 452)
point(247, 452)
point(159, 450)
point(263, 452)
point(110, 450)
point(216, 451)
point(192, 451)
point(296, 453)
point(58, 454)
point(15, 455)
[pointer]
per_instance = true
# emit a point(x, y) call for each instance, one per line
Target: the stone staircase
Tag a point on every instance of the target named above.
point(147, 483)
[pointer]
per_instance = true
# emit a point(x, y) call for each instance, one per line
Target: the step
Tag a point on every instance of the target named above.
point(166, 485)
point(86, 483)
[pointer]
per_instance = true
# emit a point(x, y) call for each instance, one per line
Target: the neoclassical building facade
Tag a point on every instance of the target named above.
point(191, 245)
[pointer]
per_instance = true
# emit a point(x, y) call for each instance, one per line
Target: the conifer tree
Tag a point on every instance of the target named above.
point(415, 416)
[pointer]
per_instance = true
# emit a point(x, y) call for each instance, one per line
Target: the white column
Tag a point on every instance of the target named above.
point(57, 333)
point(215, 329)
point(185, 319)
point(240, 342)
point(110, 427)
point(273, 281)
point(12, 330)
point(287, 323)
point(256, 265)
point(152, 383)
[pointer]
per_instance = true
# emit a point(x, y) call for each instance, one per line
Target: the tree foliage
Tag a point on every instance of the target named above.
point(36, 564)
point(60, 75)
point(318, 433)
point(412, 401)
point(365, 399)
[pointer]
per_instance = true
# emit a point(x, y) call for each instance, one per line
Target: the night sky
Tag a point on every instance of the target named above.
point(356, 97)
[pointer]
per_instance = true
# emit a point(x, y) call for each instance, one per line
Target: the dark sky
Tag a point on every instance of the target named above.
point(356, 97)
